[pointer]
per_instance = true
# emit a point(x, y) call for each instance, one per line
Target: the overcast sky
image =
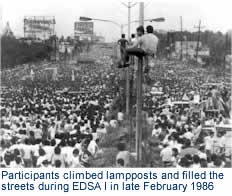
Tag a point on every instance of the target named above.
point(215, 14)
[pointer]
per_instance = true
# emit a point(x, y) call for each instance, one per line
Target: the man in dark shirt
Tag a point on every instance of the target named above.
point(123, 43)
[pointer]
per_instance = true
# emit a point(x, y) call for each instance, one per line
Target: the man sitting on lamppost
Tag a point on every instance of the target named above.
point(146, 45)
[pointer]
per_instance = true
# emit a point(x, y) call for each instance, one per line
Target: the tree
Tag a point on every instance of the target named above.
point(16, 52)
point(215, 41)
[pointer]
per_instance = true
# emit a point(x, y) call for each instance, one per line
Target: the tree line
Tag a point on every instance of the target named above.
point(16, 52)
point(219, 43)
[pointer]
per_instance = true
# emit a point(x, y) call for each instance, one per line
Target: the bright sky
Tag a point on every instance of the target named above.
point(215, 14)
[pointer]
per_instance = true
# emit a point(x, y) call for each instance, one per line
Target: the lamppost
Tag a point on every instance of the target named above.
point(161, 19)
point(121, 26)
point(83, 18)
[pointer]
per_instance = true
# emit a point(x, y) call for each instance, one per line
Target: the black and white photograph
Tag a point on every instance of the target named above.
point(115, 84)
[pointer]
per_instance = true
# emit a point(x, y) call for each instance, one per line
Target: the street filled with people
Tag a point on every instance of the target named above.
point(43, 126)
point(75, 117)
point(190, 118)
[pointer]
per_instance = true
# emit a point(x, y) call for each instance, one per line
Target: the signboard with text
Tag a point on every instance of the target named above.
point(39, 27)
point(83, 30)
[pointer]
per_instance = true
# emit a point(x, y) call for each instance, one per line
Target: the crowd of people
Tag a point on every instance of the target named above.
point(187, 119)
point(44, 124)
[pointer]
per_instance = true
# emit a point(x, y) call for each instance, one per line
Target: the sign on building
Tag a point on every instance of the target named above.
point(39, 27)
point(83, 30)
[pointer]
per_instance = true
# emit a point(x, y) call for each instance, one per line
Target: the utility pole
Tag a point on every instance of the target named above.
point(186, 46)
point(55, 47)
point(181, 39)
point(198, 38)
point(129, 6)
point(128, 70)
point(121, 29)
point(139, 97)
point(141, 14)
point(1, 31)
point(226, 41)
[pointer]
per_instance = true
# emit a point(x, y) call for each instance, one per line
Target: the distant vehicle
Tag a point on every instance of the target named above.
point(182, 104)
point(212, 84)
point(228, 142)
point(156, 91)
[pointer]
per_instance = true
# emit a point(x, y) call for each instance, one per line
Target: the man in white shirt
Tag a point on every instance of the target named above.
point(52, 131)
point(75, 161)
point(93, 147)
point(156, 131)
point(124, 155)
point(166, 155)
point(38, 132)
point(49, 152)
point(113, 123)
point(67, 152)
point(188, 135)
point(27, 154)
point(208, 141)
point(120, 117)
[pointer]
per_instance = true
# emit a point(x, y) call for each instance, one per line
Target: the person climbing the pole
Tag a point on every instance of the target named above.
point(145, 46)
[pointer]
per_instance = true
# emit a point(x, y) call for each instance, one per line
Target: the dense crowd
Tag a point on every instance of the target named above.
point(44, 126)
point(187, 119)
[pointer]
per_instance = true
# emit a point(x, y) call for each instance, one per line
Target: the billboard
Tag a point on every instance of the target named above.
point(39, 27)
point(83, 30)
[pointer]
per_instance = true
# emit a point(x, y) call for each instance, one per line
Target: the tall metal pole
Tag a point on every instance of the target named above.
point(139, 98)
point(129, 6)
point(128, 70)
point(55, 46)
point(224, 67)
point(198, 39)
point(186, 47)
point(141, 13)
point(128, 93)
point(0, 51)
point(181, 41)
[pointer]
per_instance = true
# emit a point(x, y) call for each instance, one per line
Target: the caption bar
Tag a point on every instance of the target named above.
point(68, 181)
